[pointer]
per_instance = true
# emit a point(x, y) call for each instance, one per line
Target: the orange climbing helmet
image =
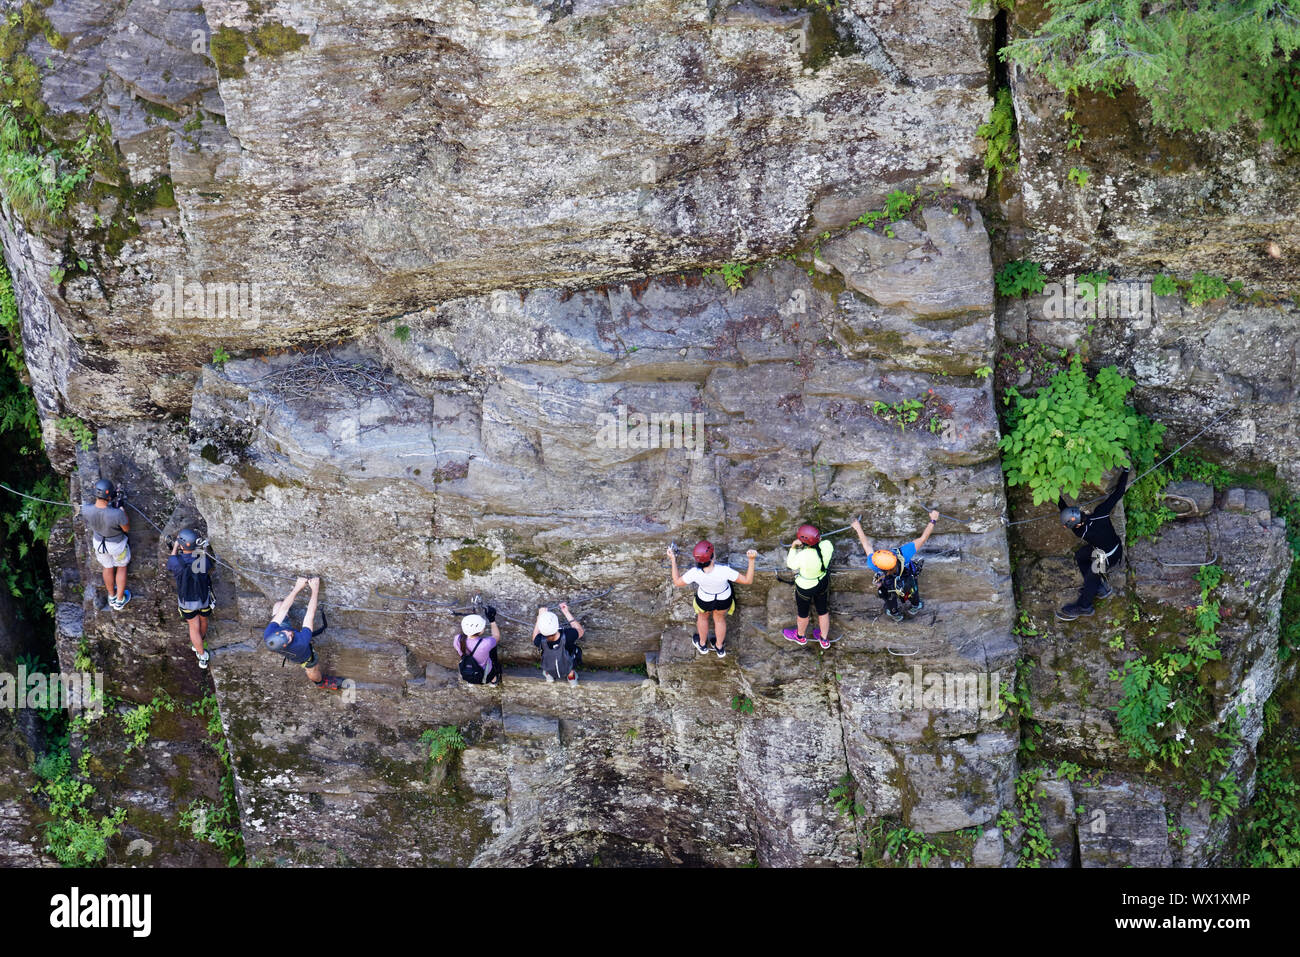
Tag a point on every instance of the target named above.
point(808, 534)
point(884, 559)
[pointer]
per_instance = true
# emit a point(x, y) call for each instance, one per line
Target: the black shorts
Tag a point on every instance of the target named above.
point(201, 612)
point(727, 604)
point(311, 658)
point(818, 595)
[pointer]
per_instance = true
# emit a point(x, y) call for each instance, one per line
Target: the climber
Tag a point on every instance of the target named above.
point(296, 646)
point(561, 656)
point(810, 556)
point(1101, 549)
point(897, 571)
point(108, 526)
point(189, 564)
point(713, 594)
point(478, 652)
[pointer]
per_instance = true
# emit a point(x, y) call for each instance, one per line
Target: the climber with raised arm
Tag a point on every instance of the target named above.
point(713, 594)
point(810, 557)
point(478, 652)
point(190, 565)
point(296, 646)
point(108, 524)
point(897, 571)
point(1101, 550)
point(561, 656)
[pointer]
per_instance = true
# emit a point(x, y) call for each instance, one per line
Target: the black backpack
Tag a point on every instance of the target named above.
point(470, 669)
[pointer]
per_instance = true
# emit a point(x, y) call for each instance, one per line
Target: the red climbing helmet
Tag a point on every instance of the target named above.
point(703, 552)
point(808, 534)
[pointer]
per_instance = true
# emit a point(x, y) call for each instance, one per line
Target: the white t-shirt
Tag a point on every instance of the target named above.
point(715, 584)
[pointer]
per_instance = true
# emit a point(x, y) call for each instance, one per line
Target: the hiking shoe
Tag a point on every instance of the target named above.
point(910, 610)
point(330, 683)
point(1105, 591)
point(722, 651)
point(550, 678)
point(822, 641)
point(895, 615)
point(699, 645)
point(573, 678)
point(203, 660)
point(1072, 611)
point(918, 606)
point(126, 598)
point(792, 635)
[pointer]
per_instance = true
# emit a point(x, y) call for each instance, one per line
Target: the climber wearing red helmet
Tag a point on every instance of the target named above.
point(713, 594)
point(810, 556)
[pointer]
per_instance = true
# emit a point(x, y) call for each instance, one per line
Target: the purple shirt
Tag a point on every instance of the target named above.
point(485, 644)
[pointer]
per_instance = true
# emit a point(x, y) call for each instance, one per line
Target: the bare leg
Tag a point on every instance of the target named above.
point(203, 627)
point(196, 634)
point(720, 626)
point(121, 581)
point(702, 627)
point(108, 582)
point(315, 674)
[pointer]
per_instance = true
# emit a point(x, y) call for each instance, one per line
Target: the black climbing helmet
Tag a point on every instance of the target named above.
point(1071, 516)
point(188, 538)
point(104, 490)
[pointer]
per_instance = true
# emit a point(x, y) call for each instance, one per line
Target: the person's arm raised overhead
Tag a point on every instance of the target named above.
point(309, 619)
point(573, 622)
point(862, 536)
point(677, 579)
point(1113, 498)
point(282, 607)
point(748, 577)
point(925, 536)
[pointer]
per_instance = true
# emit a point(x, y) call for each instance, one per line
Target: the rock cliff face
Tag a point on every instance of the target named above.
point(476, 356)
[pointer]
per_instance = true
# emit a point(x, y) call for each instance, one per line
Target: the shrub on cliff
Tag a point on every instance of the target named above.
point(1071, 432)
point(1201, 66)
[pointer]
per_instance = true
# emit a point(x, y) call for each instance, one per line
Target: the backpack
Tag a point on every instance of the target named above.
point(470, 669)
point(194, 588)
point(557, 661)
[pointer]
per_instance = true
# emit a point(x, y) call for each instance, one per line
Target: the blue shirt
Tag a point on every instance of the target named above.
point(907, 550)
point(297, 650)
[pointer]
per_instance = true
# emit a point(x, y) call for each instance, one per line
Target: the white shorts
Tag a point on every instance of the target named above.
point(114, 554)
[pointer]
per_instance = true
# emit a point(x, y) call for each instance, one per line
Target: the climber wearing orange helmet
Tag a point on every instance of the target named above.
point(810, 557)
point(896, 571)
point(713, 594)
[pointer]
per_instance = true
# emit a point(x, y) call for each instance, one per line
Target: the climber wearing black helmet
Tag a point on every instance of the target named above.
point(190, 564)
point(713, 594)
point(108, 526)
point(1101, 549)
point(810, 557)
point(296, 646)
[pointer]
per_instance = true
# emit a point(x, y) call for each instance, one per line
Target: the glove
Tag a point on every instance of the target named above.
point(491, 614)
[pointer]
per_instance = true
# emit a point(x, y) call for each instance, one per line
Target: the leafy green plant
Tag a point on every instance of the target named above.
point(443, 743)
point(1020, 277)
point(219, 825)
point(910, 847)
point(733, 274)
point(139, 719)
point(80, 432)
point(402, 333)
point(898, 204)
point(984, 372)
point(1176, 55)
point(1205, 288)
point(1070, 433)
point(1078, 176)
point(742, 703)
point(999, 135)
point(843, 798)
point(1091, 285)
point(1162, 285)
point(220, 356)
point(38, 177)
point(74, 834)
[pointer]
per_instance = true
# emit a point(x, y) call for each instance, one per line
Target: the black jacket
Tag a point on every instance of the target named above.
point(1096, 528)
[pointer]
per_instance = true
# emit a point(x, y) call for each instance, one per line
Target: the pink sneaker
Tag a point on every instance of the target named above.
point(792, 635)
point(817, 633)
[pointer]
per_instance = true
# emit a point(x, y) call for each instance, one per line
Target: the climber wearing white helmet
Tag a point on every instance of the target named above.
point(478, 652)
point(561, 656)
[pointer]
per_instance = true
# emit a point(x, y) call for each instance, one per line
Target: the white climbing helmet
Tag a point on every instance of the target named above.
point(547, 623)
point(472, 625)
